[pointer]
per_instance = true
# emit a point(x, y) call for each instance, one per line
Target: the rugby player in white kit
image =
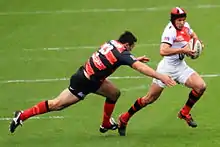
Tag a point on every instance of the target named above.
point(174, 46)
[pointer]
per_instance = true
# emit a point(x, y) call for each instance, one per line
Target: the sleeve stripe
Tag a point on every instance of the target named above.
point(167, 43)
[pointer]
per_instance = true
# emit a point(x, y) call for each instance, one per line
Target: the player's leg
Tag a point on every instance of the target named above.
point(66, 98)
point(153, 94)
point(198, 86)
point(112, 93)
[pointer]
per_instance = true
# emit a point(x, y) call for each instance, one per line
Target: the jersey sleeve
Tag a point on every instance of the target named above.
point(169, 35)
point(126, 58)
point(190, 29)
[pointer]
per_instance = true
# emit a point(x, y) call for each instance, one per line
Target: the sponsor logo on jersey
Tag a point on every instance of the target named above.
point(179, 38)
point(166, 38)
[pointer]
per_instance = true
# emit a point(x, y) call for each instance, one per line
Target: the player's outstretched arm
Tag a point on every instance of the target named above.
point(148, 71)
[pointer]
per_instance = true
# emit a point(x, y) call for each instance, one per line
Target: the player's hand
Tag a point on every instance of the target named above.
point(143, 59)
point(167, 80)
point(188, 51)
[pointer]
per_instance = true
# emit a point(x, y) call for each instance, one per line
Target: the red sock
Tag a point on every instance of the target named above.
point(193, 98)
point(138, 105)
point(108, 109)
point(125, 117)
point(40, 108)
point(186, 109)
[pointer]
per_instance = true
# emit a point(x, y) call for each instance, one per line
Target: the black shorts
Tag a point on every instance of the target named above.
point(80, 85)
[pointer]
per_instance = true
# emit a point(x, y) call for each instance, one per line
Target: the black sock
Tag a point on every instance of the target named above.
point(135, 107)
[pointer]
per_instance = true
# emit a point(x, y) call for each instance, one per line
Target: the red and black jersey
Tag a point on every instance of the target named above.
point(107, 59)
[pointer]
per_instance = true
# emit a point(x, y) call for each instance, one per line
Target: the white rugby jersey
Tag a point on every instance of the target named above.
point(177, 39)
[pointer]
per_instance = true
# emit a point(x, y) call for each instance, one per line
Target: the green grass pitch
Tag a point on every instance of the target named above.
point(51, 39)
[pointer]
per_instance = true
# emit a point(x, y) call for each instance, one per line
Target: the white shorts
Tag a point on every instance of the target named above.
point(180, 73)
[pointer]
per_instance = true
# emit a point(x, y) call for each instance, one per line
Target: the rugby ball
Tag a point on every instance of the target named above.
point(195, 44)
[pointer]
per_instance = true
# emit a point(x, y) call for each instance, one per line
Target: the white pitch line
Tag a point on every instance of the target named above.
point(35, 81)
point(78, 47)
point(61, 79)
point(49, 117)
point(123, 89)
point(210, 75)
point(66, 79)
point(97, 10)
point(62, 117)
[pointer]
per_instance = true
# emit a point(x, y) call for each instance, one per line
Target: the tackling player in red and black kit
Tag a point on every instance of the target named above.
point(91, 78)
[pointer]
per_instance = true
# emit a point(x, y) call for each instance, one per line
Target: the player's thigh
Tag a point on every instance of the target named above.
point(172, 75)
point(167, 69)
point(159, 83)
point(108, 89)
point(81, 86)
point(195, 82)
point(184, 74)
point(64, 99)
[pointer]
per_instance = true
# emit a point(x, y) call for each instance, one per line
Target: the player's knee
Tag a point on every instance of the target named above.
point(202, 88)
point(118, 94)
point(55, 105)
point(114, 96)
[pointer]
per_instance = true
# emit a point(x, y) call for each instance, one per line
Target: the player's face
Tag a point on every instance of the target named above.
point(130, 47)
point(179, 22)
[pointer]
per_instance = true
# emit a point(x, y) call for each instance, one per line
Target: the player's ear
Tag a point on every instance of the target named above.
point(126, 45)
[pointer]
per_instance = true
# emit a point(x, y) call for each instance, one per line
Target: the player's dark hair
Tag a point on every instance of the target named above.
point(173, 17)
point(127, 37)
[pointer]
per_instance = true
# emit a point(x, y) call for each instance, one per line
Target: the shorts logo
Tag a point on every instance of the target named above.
point(81, 94)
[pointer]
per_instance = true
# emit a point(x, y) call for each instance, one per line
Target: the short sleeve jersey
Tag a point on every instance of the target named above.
point(107, 59)
point(177, 39)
